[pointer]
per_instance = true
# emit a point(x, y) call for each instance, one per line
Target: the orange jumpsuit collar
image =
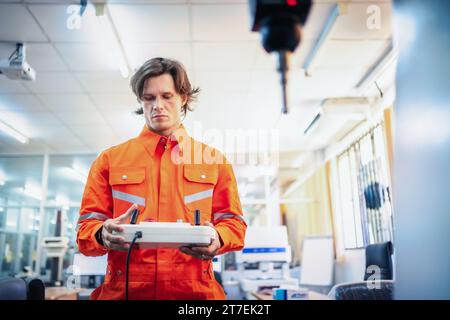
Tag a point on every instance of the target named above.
point(151, 139)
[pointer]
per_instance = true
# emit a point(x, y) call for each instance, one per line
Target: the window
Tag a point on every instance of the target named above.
point(365, 194)
point(20, 200)
point(19, 210)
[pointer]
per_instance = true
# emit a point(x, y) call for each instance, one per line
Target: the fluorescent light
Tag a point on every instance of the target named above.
point(124, 70)
point(112, 41)
point(347, 109)
point(322, 37)
point(386, 60)
point(313, 122)
point(13, 133)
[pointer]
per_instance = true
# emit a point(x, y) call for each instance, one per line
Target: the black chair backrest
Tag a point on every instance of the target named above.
point(218, 277)
point(13, 289)
point(36, 289)
point(379, 255)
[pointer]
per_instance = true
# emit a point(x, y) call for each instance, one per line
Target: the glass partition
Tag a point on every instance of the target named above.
point(21, 191)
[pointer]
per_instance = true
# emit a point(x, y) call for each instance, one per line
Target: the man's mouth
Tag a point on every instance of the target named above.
point(159, 116)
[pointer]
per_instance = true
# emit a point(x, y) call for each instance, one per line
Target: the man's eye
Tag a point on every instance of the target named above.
point(168, 97)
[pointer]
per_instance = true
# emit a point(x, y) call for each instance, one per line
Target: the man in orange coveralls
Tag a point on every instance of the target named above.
point(166, 175)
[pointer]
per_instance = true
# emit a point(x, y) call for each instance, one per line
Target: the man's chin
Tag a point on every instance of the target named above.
point(159, 128)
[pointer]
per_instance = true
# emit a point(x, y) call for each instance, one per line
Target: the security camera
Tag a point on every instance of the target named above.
point(16, 67)
point(279, 23)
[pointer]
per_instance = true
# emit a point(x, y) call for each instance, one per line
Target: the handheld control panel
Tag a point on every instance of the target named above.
point(168, 234)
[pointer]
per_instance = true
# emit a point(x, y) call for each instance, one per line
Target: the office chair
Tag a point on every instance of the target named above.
point(35, 289)
point(22, 289)
point(364, 290)
point(376, 286)
point(218, 277)
point(13, 289)
point(379, 255)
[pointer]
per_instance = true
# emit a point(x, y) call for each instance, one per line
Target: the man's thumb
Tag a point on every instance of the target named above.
point(123, 218)
point(209, 224)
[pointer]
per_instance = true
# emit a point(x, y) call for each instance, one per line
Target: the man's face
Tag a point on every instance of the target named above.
point(162, 104)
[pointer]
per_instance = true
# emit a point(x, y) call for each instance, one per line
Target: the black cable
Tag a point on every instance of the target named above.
point(379, 90)
point(137, 235)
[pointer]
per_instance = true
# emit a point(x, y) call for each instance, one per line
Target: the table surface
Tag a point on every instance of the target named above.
point(62, 293)
point(311, 296)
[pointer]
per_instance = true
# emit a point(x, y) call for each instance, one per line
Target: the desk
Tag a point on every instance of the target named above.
point(312, 296)
point(62, 293)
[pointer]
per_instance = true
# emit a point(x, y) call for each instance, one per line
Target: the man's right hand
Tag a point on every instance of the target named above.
point(113, 242)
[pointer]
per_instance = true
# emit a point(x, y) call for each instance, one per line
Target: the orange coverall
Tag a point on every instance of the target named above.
point(143, 171)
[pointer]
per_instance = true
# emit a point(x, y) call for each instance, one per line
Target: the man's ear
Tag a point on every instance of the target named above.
point(184, 99)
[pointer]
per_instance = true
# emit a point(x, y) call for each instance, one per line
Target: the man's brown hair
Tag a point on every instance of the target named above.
point(159, 66)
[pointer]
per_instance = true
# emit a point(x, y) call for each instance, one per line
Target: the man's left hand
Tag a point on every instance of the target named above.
point(204, 253)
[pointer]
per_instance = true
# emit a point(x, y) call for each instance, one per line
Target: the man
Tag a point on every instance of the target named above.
point(166, 175)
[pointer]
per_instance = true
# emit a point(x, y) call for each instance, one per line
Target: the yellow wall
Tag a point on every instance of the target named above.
point(311, 218)
point(389, 138)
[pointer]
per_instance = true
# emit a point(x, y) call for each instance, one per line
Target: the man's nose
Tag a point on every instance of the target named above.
point(157, 103)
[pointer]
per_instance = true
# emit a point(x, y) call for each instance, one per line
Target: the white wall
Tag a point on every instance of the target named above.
point(422, 156)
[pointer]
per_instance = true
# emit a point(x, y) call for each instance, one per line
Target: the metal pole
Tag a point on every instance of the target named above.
point(44, 186)
point(267, 198)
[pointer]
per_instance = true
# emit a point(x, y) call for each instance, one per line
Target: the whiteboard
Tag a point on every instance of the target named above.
point(317, 261)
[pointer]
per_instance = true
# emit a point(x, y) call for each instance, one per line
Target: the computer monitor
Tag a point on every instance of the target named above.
point(317, 261)
point(89, 266)
point(90, 269)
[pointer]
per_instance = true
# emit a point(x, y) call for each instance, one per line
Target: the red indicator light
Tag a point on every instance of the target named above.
point(291, 2)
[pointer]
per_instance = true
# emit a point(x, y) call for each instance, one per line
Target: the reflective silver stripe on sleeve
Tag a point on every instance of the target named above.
point(128, 197)
point(91, 215)
point(224, 215)
point(198, 196)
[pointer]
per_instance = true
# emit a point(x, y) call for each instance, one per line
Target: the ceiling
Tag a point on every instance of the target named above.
point(80, 103)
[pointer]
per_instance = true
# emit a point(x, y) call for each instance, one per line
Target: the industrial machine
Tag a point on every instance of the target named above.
point(55, 248)
point(264, 261)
